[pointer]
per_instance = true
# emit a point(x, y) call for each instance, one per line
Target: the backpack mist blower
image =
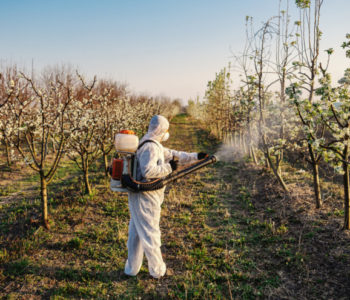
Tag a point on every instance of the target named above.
point(124, 168)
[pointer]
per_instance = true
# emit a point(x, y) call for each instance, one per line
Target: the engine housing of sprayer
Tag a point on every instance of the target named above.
point(126, 143)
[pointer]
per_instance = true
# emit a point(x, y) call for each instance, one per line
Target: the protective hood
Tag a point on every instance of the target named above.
point(158, 126)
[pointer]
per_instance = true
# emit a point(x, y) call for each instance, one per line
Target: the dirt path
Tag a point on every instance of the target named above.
point(227, 232)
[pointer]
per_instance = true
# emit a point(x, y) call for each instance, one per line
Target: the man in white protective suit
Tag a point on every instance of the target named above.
point(154, 161)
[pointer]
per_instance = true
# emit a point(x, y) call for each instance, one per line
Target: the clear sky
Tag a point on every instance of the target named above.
point(169, 47)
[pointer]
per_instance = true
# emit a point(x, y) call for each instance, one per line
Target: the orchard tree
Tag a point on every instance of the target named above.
point(7, 84)
point(247, 95)
point(83, 122)
point(218, 102)
point(10, 89)
point(34, 116)
point(302, 91)
point(284, 55)
point(248, 90)
point(336, 118)
point(169, 108)
point(261, 55)
point(111, 96)
point(196, 109)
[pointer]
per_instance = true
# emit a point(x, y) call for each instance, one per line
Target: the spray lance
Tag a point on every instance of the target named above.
point(124, 168)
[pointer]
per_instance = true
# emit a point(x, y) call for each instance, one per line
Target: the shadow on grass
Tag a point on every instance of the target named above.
point(75, 282)
point(23, 267)
point(80, 282)
point(22, 217)
point(5, 168)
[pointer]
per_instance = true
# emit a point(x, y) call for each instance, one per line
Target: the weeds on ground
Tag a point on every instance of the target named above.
point(224, 236)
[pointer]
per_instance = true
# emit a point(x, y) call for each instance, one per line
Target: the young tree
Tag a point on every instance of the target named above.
point(285, 54)
point(261, 55)
point(109, 110)
point(196, 109)
point(335, 115)
point(35, 116)
point(248, 91)
point(6, 86)
point(308, 44)
point(83, 121)
point(10, 88)
point(218, 104)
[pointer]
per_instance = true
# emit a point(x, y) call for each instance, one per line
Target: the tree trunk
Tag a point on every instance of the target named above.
point(252, 151)
point(231, 143)
point(278, 167)
point(8, 153)
point(105, 162)
point(88, 190)
point(241, 142)
point(53, 146)
point(43, 182)
point(316, 175)
point(346, 191)
point(317, 188)
point(244, 144)
point(277, 173)
point(267, 159)
point(250, 147)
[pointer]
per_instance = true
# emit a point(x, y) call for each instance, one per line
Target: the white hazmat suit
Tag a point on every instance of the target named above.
point(144, 231)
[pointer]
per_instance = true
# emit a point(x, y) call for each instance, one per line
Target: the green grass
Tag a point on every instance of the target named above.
point(7, 190)
point(221, 237)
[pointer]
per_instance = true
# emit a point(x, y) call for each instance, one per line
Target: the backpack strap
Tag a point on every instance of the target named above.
point(146, 141)
point(140, 146)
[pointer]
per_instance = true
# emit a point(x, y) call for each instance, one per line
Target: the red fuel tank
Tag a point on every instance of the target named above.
point(117, 168)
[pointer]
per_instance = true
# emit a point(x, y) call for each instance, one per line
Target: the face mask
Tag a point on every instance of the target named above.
point(165, 137)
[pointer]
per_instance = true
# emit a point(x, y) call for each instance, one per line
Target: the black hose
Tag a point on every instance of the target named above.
point(207, 161)
point(132, 185)
point(135, 186)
